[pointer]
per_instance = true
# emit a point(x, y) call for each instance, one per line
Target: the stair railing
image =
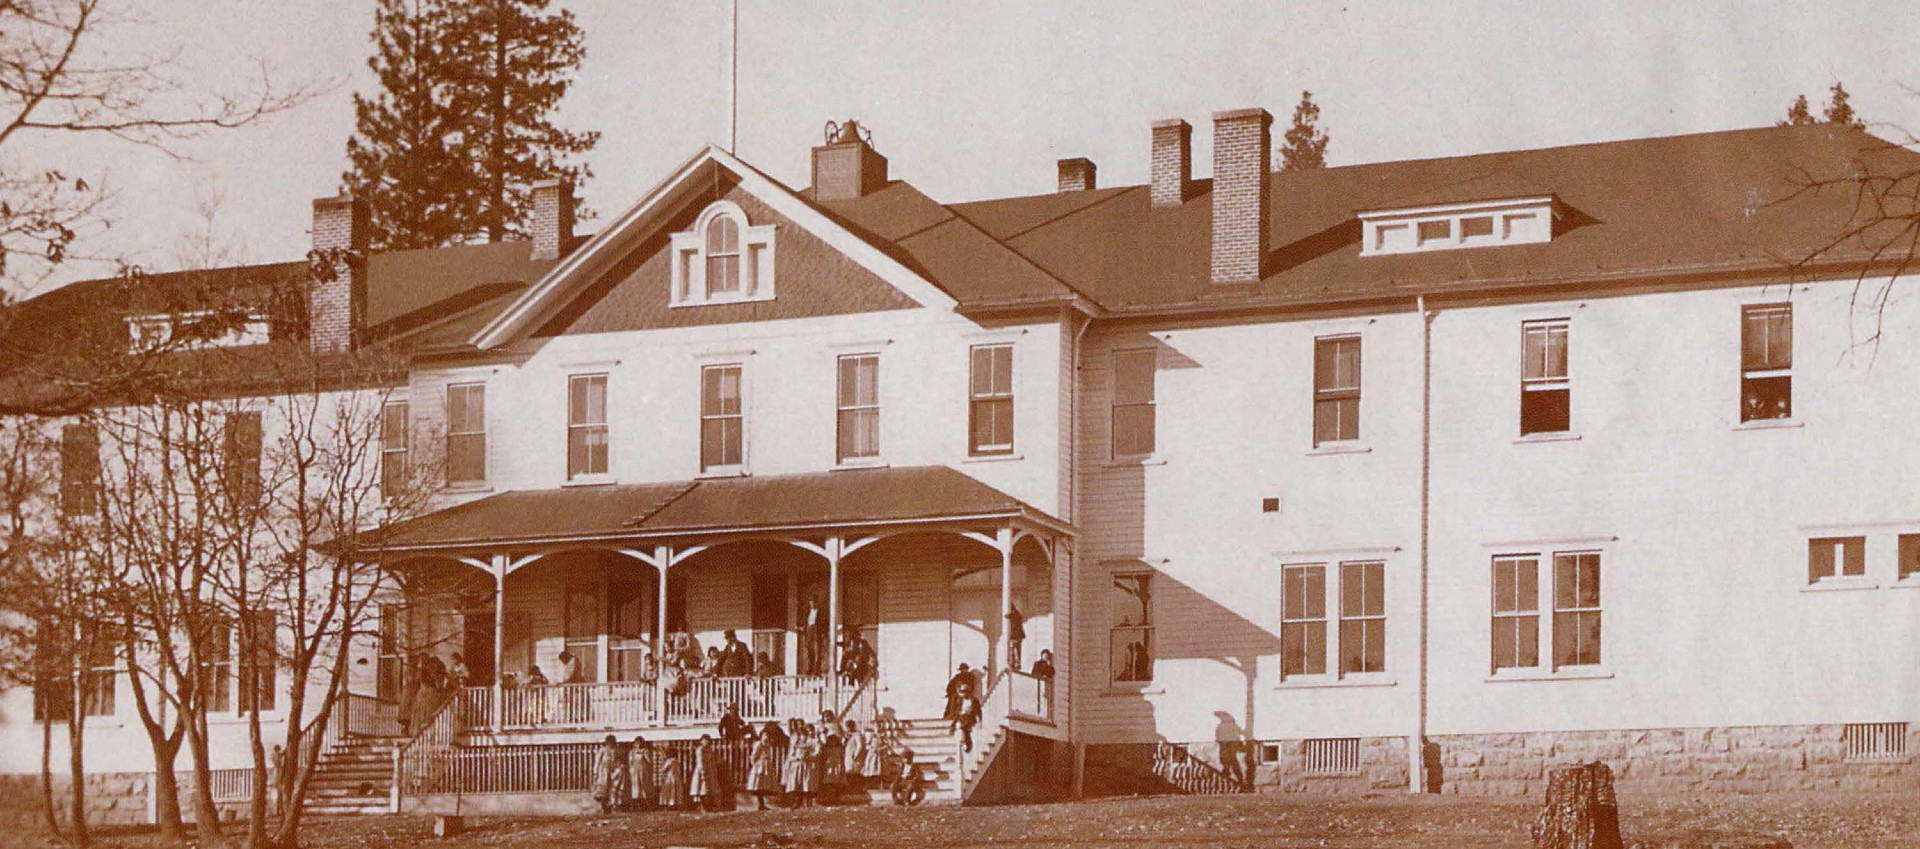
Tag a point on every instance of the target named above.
point(995, 707)
point(420, 761)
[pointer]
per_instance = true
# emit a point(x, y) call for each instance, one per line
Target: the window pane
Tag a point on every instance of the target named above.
point(1352, 590)
point(991, 425)
point(1766, 397)
point(1854, 552)
point(859, 433)
point(1557, 351)
point(1130, 601)
point(1909, 555)
point(982, 368)
point(1133, 430)
point(723, 274)
point(1132, 654)
point(1503, 641)
point(1323, 367)
point(1313, 591)
point(1503, 586)
point(1316, 648)
point(393, 425)
point(1766, 337)
point(1003, 369)
point(1133, 376)
point(1563, 575)
point(1527, 641)
point(723, 236)
point(466, 457)
point(1543, 411)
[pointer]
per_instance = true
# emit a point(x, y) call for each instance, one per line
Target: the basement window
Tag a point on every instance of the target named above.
point(1331, 756)
point(1874, 741)
point(1459, 225)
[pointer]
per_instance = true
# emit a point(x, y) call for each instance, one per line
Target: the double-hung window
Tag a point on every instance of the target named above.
point(723, 257)
point(1307, 594)
point(467, 433)
point(1571, 636)
point(586, 426)
point(858, 411)
point(1336, 389)
point(1766, 362)
point(990, 400)
point(1130, 632)
point(79, 470)
point(1133, 402)
point(259, 649)
point(722, 419)
point(1544, 388)
point(242, 440)
point(96, 692)
point(394, 438)
point(216, 667)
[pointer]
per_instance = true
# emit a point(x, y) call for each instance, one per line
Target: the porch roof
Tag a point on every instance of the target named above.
point(707, 507)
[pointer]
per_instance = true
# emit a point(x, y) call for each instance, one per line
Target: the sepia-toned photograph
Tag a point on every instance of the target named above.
point(595, 424)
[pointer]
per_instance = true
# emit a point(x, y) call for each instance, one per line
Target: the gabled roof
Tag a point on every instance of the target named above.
point(864, 498)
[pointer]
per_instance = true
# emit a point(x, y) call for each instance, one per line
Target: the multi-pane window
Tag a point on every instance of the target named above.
point(1336, 389)
point(1130, 632)
point(1363, 617)
point(241, 456)
point(79, 469)
point(1516, 612)
point(1836, 557)
point(466, 433)
point(859, 407)
point(1909, 556)
point(1544, 389)
point(258, 660)
point(1303, 620)
point(216, 667)
point(722, 419)
point(1133, 399)
point(390, 653)
point(1766, 362)
point(723, 257)
point(990, 400)
point(586, 425)
point(1576, 608)
point(393, 447)
point(1573, 632)
point(581, 618)
point(96, 690)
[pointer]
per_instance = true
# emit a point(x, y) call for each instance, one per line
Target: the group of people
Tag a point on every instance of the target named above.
point(428, 683)
point(964, 694)
point(803, 764)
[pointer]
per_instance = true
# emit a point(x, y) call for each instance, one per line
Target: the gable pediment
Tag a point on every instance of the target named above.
point(718, 243)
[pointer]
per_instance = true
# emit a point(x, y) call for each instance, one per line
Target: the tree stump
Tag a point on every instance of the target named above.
point(1581, 812)
point(448, 825)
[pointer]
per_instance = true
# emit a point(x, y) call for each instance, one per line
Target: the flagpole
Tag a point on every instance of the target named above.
point(733, 73)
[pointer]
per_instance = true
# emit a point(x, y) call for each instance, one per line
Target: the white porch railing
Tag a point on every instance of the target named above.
point(1028, 696)
point(633, 704)
point(611, 704)
point(758, 699)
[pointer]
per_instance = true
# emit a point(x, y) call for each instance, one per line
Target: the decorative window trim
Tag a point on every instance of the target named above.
point(738, 417)
point(580, 423)
point(1512, 221)
point(1543, 554)
point(158, 331)
point(687, 258)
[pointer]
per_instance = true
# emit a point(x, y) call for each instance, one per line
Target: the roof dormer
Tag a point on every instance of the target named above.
point(722, 259)
point(1454, 226)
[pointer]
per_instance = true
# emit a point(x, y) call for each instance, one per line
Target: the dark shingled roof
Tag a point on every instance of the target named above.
point(880, 496)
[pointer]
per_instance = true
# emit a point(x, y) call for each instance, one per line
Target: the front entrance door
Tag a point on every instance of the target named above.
point(476, 645)
point(770, 618)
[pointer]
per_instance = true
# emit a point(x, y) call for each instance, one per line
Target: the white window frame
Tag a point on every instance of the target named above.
point(841, 408)
point(1747, 374)
point(1512, 221)
point(1305, 621)
point(1151, 404)
point(586, 428)
point(993, 394)
point(739, 417)
point(1335, 394)
point(688, 260)
point(1545, 564)
point(485, 458)
point(391, 454)
point(1333, 568)
point(157, 331)
point(1148, 628)
point(1544, 382)
point(1836, 544)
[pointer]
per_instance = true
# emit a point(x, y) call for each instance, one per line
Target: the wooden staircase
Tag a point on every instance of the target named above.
point(354, 776)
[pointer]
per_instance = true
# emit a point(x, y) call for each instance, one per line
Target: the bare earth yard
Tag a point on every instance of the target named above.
point(1809, 822)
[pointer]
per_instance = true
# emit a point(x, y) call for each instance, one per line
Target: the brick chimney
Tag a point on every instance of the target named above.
point(1076, 175)
point(847, 166)
point(1172, 162)
point(552, 217)
point(337, 294)
point(1242, 153)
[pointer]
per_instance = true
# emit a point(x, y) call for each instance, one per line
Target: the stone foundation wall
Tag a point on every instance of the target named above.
point(1129, 767)
point(113, 798)
point(1743, 759)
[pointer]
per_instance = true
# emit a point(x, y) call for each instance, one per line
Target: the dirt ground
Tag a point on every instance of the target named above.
point(1808, 822)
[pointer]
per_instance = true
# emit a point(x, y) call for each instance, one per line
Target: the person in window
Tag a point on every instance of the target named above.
point(959, 687)
point(1016, 634)
point(736, 660)
point(640, 773)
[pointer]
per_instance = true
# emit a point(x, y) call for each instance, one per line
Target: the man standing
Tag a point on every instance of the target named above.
point(959, 689)
point(736, 660)
point(1016, 633)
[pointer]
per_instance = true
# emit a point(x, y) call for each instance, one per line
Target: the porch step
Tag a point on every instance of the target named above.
point(354, 776)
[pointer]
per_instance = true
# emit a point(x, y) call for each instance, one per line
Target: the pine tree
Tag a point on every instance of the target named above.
point(1305, 145)
point(521, 57)
point(408, 149)
point(448, 149)
point(1839, 111)
point(1798, 114)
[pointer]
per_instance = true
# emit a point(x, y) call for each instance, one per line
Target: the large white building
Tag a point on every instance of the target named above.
point(1419, 475)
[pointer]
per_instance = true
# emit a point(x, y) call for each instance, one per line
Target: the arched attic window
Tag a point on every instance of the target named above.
point(722, 259)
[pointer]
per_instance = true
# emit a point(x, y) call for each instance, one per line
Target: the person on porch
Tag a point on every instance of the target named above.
point(814, 630)
point(969, 717)
point(736, 660)
point(1043, 670)
point(959, 687)
point(764, 667)
point(857, 658)
point(457, 673)
point(732, 727)
point(1016, 634)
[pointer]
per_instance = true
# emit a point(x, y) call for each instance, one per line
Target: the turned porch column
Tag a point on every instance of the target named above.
point(499, 705)
point(662, 558)
point(1004, 541)
point(833, 551)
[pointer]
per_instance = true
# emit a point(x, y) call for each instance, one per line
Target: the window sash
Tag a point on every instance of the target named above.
point(466, 433)
point(722, 418)
point(858, 411)
point(1543, 358)
point(1836, 557)
point(79, 469)
point(1516, 612)
point(242, 444)
point(1336, 367)
point(258, 676)
point(1766, 338)
point(1132, 416)
point(1909, 553)
point(990, 400)
point(1303, 620)
point(1130, 618)
point(1576, 608)
point(394, 439)
point(216, 669)
point(1363, 617)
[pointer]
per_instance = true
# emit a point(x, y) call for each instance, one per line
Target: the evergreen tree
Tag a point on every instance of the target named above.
point(1797, 113)
point(1305, 145)
point(520, 57)
point(407, 153)
point(460, 129)
point(1839, 111)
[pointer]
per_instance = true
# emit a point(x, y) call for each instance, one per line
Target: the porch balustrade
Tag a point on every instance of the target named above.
point(1029, 696)
point(632, 704)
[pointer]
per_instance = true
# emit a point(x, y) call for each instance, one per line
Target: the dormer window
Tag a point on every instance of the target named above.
point(194, 330)
point(722, 259)
point(1454, 226)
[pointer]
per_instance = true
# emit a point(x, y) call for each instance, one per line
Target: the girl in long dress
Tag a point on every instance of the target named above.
point(833, 755)
point(810, 750)
point(854, 755)
point(704, 781)
point(794, 772)
point(879, 747)
point(609, 775)
point(763, 774)
point(640, 773)
point(673, 780)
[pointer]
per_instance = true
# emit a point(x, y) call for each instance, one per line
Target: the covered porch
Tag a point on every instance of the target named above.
point(858, 592)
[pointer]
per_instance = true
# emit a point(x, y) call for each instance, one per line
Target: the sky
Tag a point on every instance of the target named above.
point(978, 99)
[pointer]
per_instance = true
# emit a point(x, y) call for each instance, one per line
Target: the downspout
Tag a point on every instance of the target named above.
point(1416, 744)
point(1076, 748)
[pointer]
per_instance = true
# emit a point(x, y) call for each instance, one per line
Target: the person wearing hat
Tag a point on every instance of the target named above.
point(732, 727)
point(959, 688)
point(736, 660)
